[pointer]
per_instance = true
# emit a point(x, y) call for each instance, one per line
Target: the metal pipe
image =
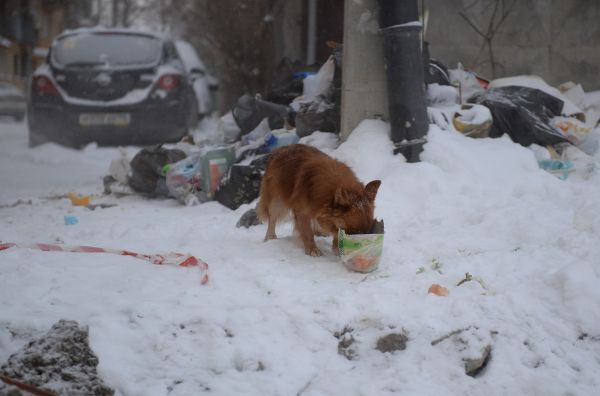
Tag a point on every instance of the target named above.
point(401, 29)
point(311, 36)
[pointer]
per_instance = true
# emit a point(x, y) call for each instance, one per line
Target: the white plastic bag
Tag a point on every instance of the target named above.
point(318, 84)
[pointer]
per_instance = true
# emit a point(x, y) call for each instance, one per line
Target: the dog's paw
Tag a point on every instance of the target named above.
point(314, 252)
point(270, 236)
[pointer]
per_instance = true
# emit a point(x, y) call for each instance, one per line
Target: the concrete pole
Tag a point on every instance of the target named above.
point(364, 87)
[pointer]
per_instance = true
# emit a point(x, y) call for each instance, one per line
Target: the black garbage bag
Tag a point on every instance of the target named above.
point(242, 184)
point(435, 72)
point(286, 83)
point(146, 169)
point(249, 111)
point(523, 113)
point(322, 114)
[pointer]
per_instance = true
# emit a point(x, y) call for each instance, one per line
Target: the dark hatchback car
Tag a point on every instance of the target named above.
point(113, 87)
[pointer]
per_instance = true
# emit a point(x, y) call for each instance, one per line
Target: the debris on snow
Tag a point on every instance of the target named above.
point(392, 342)
point(60, 361)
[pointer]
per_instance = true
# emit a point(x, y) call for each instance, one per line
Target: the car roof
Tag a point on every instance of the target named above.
point(105, 30)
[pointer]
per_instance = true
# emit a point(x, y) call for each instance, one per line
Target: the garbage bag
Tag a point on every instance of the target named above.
point(468, 82)
point(196, 178)
point(578, 133)
point(146, 169)
point(319, 115)
point(184, 180)
point(435, 72)
point(523, 113)
point(287, 81)
point(249, 111)
point(320, 83)
point(242, 184)
point(569, 108)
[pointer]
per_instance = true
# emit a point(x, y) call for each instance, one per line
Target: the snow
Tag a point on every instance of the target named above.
point(265, 322)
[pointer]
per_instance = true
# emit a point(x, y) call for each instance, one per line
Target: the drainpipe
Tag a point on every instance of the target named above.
point(311, 35)
point(401, 29)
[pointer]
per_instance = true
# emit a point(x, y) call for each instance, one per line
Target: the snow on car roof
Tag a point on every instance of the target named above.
point(103, 29)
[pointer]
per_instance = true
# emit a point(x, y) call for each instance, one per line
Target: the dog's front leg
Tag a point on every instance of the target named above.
point(304, 227)
point(335, 247)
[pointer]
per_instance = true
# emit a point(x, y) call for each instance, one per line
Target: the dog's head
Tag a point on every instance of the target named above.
point(352, 210)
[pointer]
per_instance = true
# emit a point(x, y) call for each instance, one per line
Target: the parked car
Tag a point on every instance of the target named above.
point(12, 101)
point(111, 86)
point(205, 85)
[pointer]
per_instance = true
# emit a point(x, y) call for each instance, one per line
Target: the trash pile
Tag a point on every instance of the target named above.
point(552, 122)
point(226, 164)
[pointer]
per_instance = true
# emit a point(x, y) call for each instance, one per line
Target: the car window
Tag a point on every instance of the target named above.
point(8, 89)
point(110, 49)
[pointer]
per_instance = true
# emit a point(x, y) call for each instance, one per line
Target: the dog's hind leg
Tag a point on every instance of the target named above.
point(265, 210)
point(274, 212)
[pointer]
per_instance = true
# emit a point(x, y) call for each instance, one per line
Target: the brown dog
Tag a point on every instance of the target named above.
point(322, 193)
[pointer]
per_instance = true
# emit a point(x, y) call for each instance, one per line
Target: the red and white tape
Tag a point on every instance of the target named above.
point(178, 259)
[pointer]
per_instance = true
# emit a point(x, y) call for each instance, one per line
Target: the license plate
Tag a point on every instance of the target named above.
point(116, 119)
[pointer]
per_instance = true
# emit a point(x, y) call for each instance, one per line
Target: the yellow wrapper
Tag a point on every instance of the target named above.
point(361, 252)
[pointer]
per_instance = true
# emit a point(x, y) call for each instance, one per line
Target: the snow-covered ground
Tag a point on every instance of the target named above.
point(265, 323)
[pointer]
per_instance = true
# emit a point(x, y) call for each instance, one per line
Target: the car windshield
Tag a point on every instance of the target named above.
point(111, 49)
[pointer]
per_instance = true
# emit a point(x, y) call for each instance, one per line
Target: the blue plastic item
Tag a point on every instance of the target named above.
point(71, 220)
point(558, 168)
point(304, 74)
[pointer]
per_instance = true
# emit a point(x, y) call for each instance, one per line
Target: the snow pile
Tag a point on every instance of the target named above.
point(274, 321)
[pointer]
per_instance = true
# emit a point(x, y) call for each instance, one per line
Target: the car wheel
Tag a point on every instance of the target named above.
point(193, 117)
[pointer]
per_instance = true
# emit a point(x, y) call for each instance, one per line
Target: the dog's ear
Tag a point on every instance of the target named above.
point(341, 198)
point(371, 189)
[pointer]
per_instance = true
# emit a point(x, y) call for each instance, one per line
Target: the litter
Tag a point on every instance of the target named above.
point(71, 220)
point(468, 82)
point(177, 259)
point(523, 113)
point(559, 168)
point(249, 111)
point(362, 252)
point(568, 108)
point(196, 178)
point(473, 120)
point(147, 169)
point(321, 114)
point(242, 183)
point(79, 200)
point(577, 133)
point(438, 290)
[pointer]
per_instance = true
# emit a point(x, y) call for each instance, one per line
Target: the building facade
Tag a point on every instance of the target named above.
point(28, 27)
